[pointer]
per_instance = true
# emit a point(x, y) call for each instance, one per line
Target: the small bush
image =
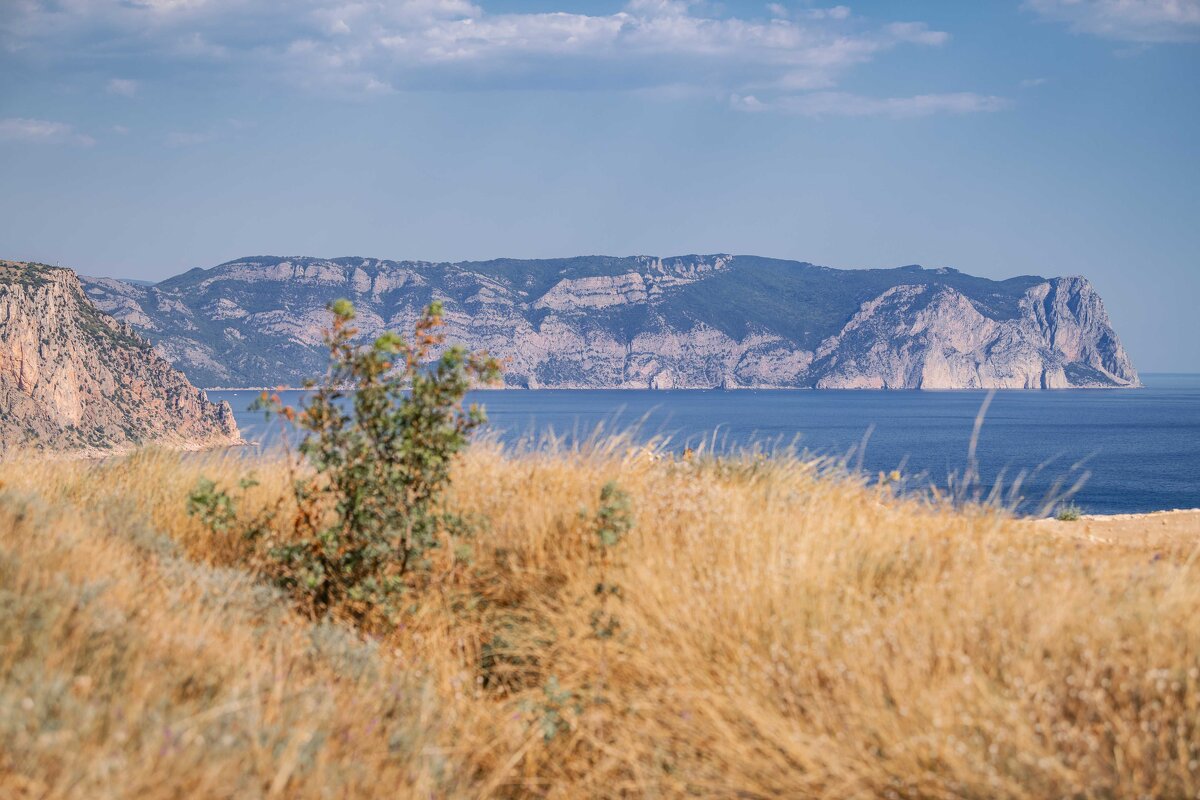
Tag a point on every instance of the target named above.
point(215, 508)
point(1069, 513)
point(376, 458)
point(614, 519)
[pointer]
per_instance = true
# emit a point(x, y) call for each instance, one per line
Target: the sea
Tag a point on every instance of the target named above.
point(1105, 451)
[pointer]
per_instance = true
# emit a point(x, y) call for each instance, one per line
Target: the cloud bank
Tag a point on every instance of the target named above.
point(787, 57)
point(41, 131)
point(1140, 21)
point(841, 104)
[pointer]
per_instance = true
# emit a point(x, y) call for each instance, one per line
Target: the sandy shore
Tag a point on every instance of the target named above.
point(1181, 522)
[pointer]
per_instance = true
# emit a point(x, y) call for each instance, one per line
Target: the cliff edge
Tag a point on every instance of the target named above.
point(74, 379)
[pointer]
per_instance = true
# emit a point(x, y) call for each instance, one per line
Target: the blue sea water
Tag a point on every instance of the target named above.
point(1137, 450)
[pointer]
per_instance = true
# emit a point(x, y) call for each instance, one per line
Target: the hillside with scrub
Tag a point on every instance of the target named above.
point(400, 608)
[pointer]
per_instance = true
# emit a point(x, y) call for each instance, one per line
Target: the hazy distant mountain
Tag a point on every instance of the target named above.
point(73, 378)
point(638, 322)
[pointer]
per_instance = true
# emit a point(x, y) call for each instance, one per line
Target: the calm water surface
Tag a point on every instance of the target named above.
point(1139, 449)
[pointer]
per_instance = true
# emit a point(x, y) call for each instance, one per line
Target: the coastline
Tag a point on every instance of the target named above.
point(1110, 528)
point(126, 449)
point(582, 388)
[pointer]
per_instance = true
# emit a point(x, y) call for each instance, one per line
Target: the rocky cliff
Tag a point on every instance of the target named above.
point(73, 378)
point(643, 322)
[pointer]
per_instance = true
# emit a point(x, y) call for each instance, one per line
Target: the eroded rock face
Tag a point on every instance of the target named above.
point(643, 322)
point(935, 338)
point(74, 378)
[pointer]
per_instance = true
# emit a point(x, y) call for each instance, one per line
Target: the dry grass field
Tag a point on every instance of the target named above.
point(778, 631)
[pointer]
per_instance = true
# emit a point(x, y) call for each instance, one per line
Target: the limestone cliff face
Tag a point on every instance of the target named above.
point(935, 338)
point(73, 378)
point(643, 322)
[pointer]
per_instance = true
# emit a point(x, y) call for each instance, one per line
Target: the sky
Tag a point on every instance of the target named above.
point(141, 138)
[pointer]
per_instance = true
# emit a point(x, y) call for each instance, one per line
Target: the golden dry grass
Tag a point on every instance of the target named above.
point(781, 634)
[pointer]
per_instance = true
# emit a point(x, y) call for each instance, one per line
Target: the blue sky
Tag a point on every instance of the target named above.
point(140, 138)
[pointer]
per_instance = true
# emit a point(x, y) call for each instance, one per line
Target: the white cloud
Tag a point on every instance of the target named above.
point(837, 12)
point(842, 104)
point(791, 57)
point(781, 11)
point(748, 102)
point(122, 86)
point(1029, 83)
point(916, 33)
point(21, 129)
point(456, 43)
point(1141, 21)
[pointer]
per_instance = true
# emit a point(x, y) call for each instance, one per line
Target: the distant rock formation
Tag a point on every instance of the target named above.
point(74, 379)
point(643, 322)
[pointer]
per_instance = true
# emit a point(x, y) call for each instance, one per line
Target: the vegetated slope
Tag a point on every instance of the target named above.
point(134, 673)
point(73, 378)
point(774, 634)
point(605, 322)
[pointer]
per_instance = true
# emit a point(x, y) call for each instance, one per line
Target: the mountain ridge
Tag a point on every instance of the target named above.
point(695, 321)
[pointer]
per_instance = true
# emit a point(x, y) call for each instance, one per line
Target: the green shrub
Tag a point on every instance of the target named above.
point(1069, 513)
point(614, 519)
point(216, 508)
point(379, 434)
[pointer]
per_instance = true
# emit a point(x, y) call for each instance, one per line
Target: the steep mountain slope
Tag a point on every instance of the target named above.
point(73, 378)
point(637, 322)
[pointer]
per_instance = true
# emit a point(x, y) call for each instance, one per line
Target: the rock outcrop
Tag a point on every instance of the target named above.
point(72, 378)
point(643, 322)
point(934, 338)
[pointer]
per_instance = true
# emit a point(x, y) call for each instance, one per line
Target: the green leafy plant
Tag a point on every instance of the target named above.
point(378, 437)
point(614, 519)
point(215, 508)
point(551, 711)
point(1069, 513)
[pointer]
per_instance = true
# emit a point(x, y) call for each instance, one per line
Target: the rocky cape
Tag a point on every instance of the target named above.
point(643, 322)
point(74, 379)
